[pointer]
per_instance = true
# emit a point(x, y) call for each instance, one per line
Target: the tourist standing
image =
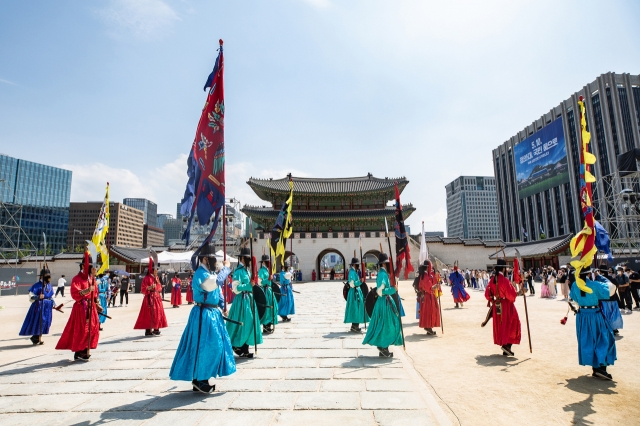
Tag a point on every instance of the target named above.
point(355, 312)
point(624, 291)
point(545, 292)
point(84, 314)
point(176, 291)
point(243, 310)
point(428, 291)
point(506, 322)
point(563, 279)
point(61, 284)
point(270, 318)
point(532, 288)
point(38, 319)
point(596, 342)
point(124, 290)
point(551, 282)
point(115, 288)
point(634, 282)
point(151, 317)
point(385, 328)
point(205, 349)
point(287, 305)
point(457, 287)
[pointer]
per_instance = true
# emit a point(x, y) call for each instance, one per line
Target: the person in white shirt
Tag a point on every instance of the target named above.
point(61, 284)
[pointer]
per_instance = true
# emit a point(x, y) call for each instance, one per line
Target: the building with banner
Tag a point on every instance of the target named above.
point(472, 210)
point(537, 170)
point(330, 218)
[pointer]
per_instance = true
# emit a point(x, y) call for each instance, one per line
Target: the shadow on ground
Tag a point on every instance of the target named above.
point(590, 386)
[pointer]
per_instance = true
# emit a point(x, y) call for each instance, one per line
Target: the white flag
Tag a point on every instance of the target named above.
point(424, 253)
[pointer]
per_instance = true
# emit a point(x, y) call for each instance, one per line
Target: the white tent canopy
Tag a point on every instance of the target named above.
point(167, 257)
point(220, 256)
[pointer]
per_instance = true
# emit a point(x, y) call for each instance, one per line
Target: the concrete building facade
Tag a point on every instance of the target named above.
point(472, 210)
point(152, 236)
point(149, 208)
point(612, 104)
point(125, 224)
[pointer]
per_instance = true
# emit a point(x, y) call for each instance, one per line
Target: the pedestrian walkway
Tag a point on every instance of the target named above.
point(311, 371)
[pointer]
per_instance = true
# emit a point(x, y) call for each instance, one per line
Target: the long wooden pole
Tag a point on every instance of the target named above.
point(526, 311)
point(391, 270)
point(363, 270)
point(253, 306)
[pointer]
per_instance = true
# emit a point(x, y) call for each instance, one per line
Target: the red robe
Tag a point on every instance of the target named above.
point(75, 336)
point(506, 327)
point(429, 309)
point(189, 292)
point(176, 292)
point(151, 312)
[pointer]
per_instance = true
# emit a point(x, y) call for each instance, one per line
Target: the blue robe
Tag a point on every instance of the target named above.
point(32, 325)
point(103, 297)
point(384, 328)
point(211, 354)
point(460, 295)
point(287, 305)
point(610, 309)
point(354, 312)
point(596, 343)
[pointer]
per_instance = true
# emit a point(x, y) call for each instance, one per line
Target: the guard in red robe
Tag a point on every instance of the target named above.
point(176, 291)
point(189, 290)
point(501, 295)
point(428, 289)
point(151, 317)
point(84, 314)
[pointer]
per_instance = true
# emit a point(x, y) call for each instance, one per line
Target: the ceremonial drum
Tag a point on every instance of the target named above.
point(276, 290)
point(364, 288)
point(345, 290)
point(260, 299)
point(370, 302)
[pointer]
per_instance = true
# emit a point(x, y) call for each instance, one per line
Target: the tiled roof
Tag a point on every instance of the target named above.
point(268, 212)
point(36, 258)
point(328, 186)
point(128, 254)
point(473, 242)
point(546, 247)
point(467, 242)
point(64, 256)
point(451, 240)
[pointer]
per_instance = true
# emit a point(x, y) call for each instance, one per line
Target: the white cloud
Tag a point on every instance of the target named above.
point(319, 3)
point(2, 80)
point(163, 185)
point(143, 18)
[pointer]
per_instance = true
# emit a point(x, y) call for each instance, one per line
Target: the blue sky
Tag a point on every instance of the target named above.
point(112, 89)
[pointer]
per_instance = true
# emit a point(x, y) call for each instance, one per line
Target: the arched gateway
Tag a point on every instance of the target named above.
point(339, 215)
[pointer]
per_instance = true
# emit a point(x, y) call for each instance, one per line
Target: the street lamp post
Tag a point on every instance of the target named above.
point(74, 239)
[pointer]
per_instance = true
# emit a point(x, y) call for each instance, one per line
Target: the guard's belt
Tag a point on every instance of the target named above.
point(206, 305)
point(589, 307)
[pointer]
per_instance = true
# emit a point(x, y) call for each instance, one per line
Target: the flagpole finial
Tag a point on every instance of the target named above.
point(221, 42)
point(581, 98)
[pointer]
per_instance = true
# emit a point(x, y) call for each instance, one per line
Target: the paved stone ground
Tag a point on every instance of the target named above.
point(309, 372)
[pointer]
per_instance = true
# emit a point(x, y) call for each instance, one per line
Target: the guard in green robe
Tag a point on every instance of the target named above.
point(385, 328)
point(355, 313)
point(270, 318)
point(244, 310)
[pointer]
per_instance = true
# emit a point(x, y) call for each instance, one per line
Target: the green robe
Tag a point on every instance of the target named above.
point(241, 311)
point(384, 328)
point(354, 313)
point(271, 314)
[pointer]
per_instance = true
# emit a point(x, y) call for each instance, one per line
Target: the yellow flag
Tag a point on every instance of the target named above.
point(100, 233)
point(281, 231)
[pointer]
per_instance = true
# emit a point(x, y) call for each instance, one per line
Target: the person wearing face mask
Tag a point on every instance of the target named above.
point(624, 291)
point(38, 319)
point(205, 350)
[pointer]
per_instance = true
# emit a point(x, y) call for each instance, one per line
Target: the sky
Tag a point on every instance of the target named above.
point(113, 89)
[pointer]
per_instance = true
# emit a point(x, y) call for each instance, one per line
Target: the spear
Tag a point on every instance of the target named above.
point(253, 306)
point(391, 269)
point(41, 301)
point(524, 297)
point(364, 280)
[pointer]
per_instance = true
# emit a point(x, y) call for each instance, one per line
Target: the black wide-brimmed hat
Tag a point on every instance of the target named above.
point(355, 261)
point(500, 264)
point(425, 265)
point(264, 258)
point(208, 251)
point(383, 259)
point(245, 252)
point(45, 271)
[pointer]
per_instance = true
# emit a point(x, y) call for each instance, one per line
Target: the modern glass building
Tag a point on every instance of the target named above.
point(149, 208)
point(538, 170)
point(472, 210)
point(36, 197)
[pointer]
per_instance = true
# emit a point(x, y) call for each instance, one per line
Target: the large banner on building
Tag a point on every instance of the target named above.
point(541, 160)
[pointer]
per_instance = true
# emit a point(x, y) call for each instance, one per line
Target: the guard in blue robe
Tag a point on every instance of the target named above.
point(205, 349)
point(355, 312)
point(103, 296)
point(385, 327)
point(287, 305)
point(38, 319)
point(270, 318)
point(458, 292)
point(596, 342)
point(243, 310)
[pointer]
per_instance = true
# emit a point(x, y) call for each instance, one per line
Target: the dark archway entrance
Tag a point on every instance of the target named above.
point(328, 260)
point(371, 260)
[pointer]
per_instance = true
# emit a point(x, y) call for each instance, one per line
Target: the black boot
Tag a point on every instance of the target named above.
point(148, 332)
point(384, 353)
point(457, 305)
point(430, 332)
point(202, 386)
point(506, 350)
point(36, 340)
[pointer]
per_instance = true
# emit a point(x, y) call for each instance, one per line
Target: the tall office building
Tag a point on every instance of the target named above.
point(125, 224)
point(161, 218)
point(472, 211)
point(35, 198)
point(538, 169)
point(149, 208)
